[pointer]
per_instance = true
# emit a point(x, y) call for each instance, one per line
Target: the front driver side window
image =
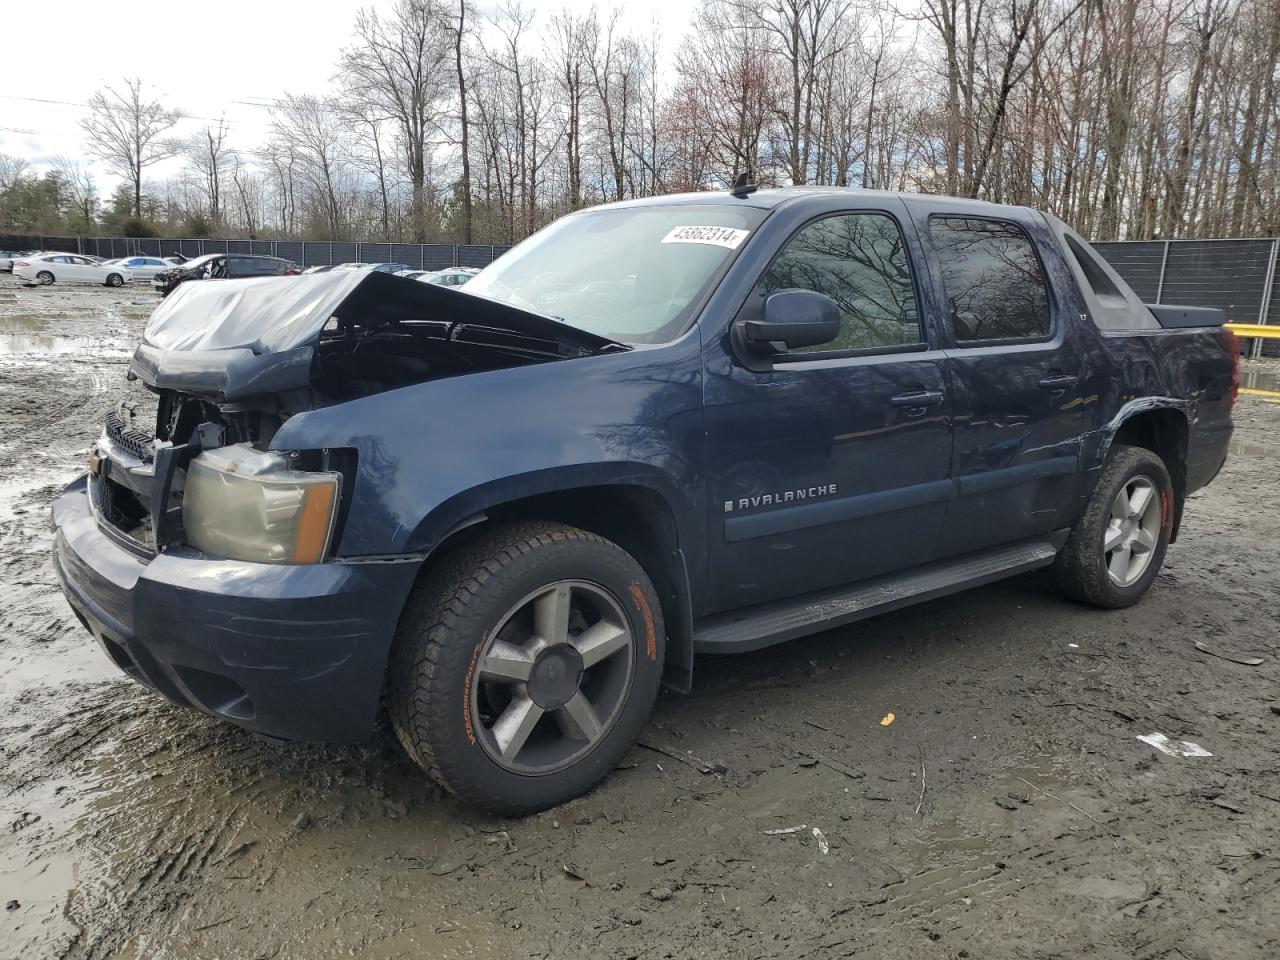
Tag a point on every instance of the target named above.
point(860, 261)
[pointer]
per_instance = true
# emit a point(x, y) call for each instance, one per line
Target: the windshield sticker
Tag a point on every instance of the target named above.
point(728, 237)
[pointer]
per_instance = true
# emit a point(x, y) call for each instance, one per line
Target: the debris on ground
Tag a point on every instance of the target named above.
point(1233, 657)
point(1174, 748)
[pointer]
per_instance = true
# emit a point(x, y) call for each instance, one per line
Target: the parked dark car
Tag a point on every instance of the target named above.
point(222, 266)
point(754, 416)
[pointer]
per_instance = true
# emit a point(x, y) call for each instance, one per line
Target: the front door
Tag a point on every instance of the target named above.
point(831, 464)
point(1017, 382)
point(73, 269)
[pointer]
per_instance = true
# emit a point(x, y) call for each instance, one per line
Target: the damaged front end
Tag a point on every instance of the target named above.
point(231, 362)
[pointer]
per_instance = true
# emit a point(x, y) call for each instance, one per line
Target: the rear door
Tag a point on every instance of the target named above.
point(832, 464)
point(1015, 366)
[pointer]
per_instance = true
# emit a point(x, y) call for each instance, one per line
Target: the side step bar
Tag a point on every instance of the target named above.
point(752, 628)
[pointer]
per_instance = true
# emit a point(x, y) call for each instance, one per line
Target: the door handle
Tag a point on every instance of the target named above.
point(1058, 382)
point(917, 398)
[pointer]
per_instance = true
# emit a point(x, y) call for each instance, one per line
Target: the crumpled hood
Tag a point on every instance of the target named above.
point(238, 338)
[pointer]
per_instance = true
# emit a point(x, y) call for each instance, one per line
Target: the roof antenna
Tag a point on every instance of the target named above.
point(743, 185)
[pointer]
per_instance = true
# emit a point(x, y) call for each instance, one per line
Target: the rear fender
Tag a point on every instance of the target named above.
point(1175, 459)
point(1098, 446)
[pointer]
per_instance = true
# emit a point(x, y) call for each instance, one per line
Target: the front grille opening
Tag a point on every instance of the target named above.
point(120, 657)
point(217, 694)
point(120, 507)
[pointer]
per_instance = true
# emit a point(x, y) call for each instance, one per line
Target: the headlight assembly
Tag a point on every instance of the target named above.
point(245, 504)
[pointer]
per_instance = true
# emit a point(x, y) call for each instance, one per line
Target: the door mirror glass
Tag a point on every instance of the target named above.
point(792, 320)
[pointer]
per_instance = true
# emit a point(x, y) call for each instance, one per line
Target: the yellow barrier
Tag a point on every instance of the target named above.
point(1263, 331)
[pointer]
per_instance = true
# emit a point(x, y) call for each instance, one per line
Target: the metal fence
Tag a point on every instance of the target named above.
point(309, 253)
point(1239, 276)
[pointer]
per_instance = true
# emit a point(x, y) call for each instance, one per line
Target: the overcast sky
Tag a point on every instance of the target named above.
point(207, 60)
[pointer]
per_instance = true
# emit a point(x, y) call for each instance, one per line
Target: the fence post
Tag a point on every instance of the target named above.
point(1164, 261)
point(1267, 287)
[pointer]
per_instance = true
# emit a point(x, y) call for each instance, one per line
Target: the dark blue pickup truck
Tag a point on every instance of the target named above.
point(693, 424)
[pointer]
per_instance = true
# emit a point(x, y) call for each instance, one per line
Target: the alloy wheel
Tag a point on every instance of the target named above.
point(553, 678)
point(1133, 531)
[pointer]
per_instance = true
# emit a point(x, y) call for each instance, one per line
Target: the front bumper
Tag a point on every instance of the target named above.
point(297, 652)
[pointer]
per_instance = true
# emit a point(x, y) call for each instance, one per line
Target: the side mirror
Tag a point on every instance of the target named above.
point(792, 319)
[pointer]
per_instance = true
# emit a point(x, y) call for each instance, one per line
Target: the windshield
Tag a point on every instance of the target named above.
point(200, 261)
point(633, 274)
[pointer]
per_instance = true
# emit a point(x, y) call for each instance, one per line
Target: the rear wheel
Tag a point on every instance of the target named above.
point(115, 280)
point(525, 665)
point(44, 278)
point(1118, 544)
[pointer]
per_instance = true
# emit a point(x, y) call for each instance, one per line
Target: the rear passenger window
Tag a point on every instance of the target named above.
point(859, 260)
point(995, 288)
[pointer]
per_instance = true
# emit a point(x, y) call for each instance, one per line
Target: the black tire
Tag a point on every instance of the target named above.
point(1081, 567)
point(44, 278)
point(115, 280)
point(451, 621)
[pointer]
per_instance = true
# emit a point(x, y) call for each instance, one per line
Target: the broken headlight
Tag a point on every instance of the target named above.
point(245, 504)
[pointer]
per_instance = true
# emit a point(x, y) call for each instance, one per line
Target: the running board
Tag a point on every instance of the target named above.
point(752, 628)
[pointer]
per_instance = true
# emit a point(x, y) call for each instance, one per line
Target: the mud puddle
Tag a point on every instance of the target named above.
point(1251, 448)
point(44, 345)
point(1259, 382)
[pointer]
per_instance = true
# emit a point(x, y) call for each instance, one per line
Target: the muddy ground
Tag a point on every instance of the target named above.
point(1007, 811)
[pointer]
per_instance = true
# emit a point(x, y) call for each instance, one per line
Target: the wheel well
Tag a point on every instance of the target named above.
point(1163, 432)
point(638, 520)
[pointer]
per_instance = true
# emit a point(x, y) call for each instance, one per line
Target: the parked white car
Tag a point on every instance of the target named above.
point(453, 277)
point(47, 268)
point(142, 267)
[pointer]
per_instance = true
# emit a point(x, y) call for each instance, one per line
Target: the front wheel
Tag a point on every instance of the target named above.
point(525, 666)
point(44, 278)
point(115, 280)
point(1117, 545)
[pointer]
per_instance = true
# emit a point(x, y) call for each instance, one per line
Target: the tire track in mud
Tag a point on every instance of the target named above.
point(38, 446)
point(158, 829)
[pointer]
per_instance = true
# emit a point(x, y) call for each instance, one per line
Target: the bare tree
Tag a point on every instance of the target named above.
point(126, 130)
point(569, 32)
point(1128, 118)
point(458, 29)
point(398, 66)
point(81, 191)
point(12, 169)
point(208, 156)
point(249, 194)
point(313, 131)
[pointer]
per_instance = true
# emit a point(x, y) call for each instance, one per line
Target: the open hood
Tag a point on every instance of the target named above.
point(233, 339)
